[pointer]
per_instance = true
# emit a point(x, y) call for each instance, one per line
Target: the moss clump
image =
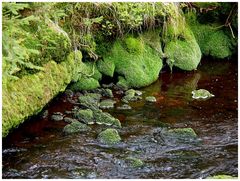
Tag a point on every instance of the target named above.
point(75, 127)
point(137, 66)
point(134, 162)
point(181, 49)
point(27, 96)
point(85, 83)
point(222, 177)
point(109, 136)
point(106, 119)
point(213, 39)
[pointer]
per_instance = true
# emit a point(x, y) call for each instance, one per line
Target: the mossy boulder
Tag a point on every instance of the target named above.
point(106, 119)
point(109, 136)
point(181, 48)
point(85, 116)
point(85, 83)
point(75, 127)
point(27, 96)
point(136, 63)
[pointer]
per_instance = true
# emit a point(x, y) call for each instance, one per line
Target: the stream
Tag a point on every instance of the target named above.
point(39, 149)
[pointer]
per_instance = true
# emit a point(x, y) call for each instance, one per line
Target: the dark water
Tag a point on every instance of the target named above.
point(38, 149)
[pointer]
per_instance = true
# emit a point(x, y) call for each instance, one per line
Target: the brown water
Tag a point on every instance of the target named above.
point(38, 149)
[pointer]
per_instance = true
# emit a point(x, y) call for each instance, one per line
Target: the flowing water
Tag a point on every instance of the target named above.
point(38, 149)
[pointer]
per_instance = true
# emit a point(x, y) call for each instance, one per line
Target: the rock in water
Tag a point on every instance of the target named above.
point(57, 116)
point(151, 99)
point(106, 119)
point(75, 127)
point(124, 107)
point(109, 136)
point(85, 116)
point(134, 162)
point(201, 94)
point(107, 104)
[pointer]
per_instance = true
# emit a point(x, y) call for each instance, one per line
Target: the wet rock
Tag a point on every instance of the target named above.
point(134, 162)
point(124, 107)
point(106, 119)
point(85, 116)
point(57, 116)
point(68, 93)
point(151, 99)
point(107, 104)
point(75, 127)
point(95, 96)
point(111, 85)
point(107, 93)
point(69, 120)
point(89, 102)
point(201, 94)
point(138, 93)
point(119, 92)
point(68, 112)
point(109, 136)
point(130, 95)
point(183, 132)
point(44, 114)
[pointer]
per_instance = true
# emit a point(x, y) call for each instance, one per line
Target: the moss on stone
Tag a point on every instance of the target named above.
point(134, 162)
point(89, 102)
point(75, 127)
point(109, 136)
point(85, 83)
point(85, 116)
point(181, 48)
point(106, 119)
point(27, 96)
point(137, 66)
point(183, 132)
point(222, 177)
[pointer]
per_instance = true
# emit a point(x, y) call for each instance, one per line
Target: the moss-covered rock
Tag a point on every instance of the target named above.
point(85, 116)
point(27, 96)
point(75, 127)
point(183, 132)
point(131, 95)
point(124, 107)
point(85, 83)
point(57, 116)
point(107, 104)
point(201, 94)
point(109, 136)
point(134, 162)
point(151, 99)
point(181, 48)
point(89, 102)
point(106, 119)
point(134, 60)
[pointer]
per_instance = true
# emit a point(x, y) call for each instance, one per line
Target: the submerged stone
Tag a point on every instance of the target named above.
point(57, 116)
point(183, 132)
point(69, 120)
point(106, 119)
point(107, 104)
point(85, 116)
point(134, 162)
point(131, 95)
point(151, 99)
point(124, 107)
point(89, 102)
point(75, 127)
point(109, 136)
point(201, 94)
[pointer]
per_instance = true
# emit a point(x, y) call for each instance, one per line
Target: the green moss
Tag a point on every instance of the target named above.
point(27, 96)
point(181, 48)
point(89, 102)
point(134, 162)
point(213, 40)
point(85, 83)
point(106, 119)
point(134, 45)
point(106, 66)
point(85, 116)
point(222, 177)
point(183, 132)
point(109, 136)
point(75, 127)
